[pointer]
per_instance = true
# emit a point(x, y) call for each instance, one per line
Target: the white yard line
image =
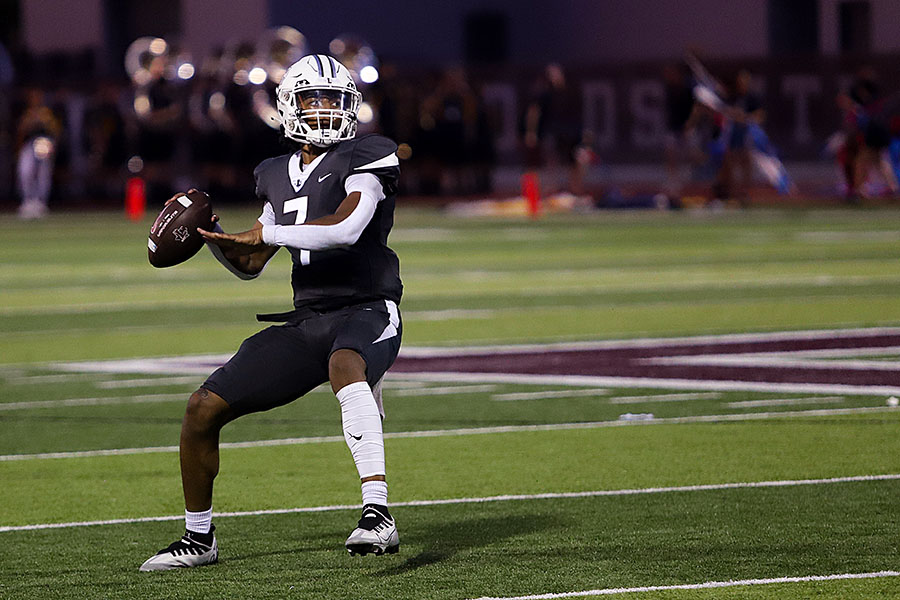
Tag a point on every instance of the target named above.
point(203, 366)
point(651, 398)
point(757, 360)
point(835, 352)
point(187, 365)
point(42, 379)
point(124, 305)
point(502, 498)
point(194, 364)
point(847, 236)
point(823, 412)
point(810, 359)
point(102, 307)
point(658, 383)
point(150, 398)
point(774, 336)
point(147, 382)
point(709, 282)
point(786, 402)
point(513, 397)
point(445, 391)
point(699, 586)
point(450, 314)
point(401, 385)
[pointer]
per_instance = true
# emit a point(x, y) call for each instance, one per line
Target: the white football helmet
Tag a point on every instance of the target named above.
point(317, 101)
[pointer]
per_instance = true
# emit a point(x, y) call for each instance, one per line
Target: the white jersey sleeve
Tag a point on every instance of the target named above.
point(268, 215)
point(323, 237)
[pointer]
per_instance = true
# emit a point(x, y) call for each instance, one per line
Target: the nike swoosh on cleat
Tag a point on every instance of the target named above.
point(324, 177)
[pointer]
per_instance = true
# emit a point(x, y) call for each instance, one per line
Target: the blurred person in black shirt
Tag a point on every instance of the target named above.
point(552, 132)
point(160, 112)
point(453, 113)
point(744, 107)
point(681, 143)
point(105, 141)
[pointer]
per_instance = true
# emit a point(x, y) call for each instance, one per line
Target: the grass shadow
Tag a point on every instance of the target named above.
point(448, 538)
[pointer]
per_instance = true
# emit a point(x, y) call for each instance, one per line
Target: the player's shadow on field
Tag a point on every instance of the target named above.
point(448, 538)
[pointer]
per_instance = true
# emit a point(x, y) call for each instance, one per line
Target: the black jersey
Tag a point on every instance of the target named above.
point(330, 279)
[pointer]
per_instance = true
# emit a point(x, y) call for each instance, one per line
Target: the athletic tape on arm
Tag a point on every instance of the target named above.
point(345, 233)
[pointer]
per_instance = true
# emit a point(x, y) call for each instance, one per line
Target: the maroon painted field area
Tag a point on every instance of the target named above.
point(789, 357)
point(853, 361)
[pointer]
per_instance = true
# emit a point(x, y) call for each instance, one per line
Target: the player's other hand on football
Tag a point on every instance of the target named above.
point(245, 242)
point(215, 217)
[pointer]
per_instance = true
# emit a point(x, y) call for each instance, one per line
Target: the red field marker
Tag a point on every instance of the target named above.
point(135, 198)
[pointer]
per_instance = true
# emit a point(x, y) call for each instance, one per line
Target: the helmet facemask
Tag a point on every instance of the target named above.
point(316, 109)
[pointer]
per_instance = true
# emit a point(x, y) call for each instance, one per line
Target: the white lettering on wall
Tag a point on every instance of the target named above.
point(599, 112)
point(801, 88)
point(501, 99)
point(645, 100)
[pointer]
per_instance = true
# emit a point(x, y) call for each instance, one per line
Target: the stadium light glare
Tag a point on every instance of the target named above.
point(135, 164)
point(365, 113)
point(257, 76)
point(185, 71)
point(158, 47)
point(337, 47)
point(241, 77)
point(142, 104)
point(217, 101)
point(368, 74)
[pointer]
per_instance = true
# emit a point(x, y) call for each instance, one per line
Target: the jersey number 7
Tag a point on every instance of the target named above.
point(299, 205)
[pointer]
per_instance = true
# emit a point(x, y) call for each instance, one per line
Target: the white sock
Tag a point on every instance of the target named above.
point(362, 428)
point(374, 492)
point(198, 522)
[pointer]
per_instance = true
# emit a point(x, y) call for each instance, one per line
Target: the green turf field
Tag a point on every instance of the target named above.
point(720, 486)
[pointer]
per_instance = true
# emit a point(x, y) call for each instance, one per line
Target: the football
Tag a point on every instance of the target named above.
point(173, 236)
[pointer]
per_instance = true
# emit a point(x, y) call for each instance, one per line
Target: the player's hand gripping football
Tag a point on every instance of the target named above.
point(236, 244)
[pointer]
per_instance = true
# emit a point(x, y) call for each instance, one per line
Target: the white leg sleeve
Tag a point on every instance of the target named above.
point(362, 428)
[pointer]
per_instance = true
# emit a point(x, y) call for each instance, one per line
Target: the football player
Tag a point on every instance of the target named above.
point(331, 204)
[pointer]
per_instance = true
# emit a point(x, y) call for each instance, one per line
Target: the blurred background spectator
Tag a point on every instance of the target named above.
point(744, 108)
point(453, 137)
point(682, 144)
point(552, 133)
point(37, 138)
point(467, 92)
point(866, 135)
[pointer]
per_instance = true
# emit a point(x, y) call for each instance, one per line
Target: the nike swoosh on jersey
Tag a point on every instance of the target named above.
point(390, 160)
point(324, 177)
